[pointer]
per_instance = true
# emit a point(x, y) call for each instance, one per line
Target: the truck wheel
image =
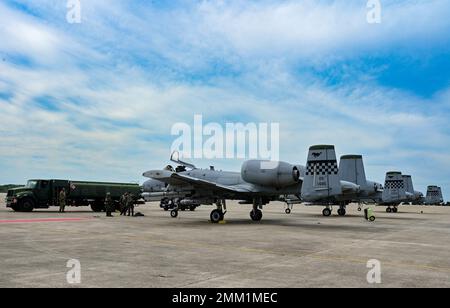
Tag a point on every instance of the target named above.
point(97, 207)
point(27, 205)
point(15, 208)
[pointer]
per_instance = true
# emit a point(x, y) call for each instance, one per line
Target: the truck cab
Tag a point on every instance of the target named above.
point(35, 194)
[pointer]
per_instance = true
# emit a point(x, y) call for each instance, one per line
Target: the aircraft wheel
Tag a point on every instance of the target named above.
point(288, 211)
point(359, 209)
point(341, 212)
point(372, 218)
point(388, 210)
point(174, 213)
point(216, 216)
point(256, 215)
point(395, 210)
point(166, 208)
point(326, 212)
point(192, 208)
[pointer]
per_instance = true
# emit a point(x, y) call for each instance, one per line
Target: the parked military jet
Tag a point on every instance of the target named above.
point(339, 186)
point(394, 192)
point(258, 183)
point(434, 196)
point(322, 183)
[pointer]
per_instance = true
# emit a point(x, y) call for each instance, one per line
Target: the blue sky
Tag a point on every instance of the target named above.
point(97, 100)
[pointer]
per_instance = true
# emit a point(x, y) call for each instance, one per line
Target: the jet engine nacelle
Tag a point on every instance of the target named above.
point(268, 173)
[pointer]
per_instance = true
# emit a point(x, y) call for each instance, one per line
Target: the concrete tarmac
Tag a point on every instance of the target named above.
point(303, 249)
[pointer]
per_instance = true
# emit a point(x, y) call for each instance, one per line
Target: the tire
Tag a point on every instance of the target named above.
point(388, 210)
point(359, 209)
point(216, 216)
point(166, 208)
point(256, 215)
point(15, 208)
point(341, 212)
point(395, 210)
point(174, 213)
point(287, 211)
point(326, 212)
point(192, 208)
point(27, 205)
point(372, 218)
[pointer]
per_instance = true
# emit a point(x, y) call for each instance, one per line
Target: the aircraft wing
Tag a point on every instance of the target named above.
point(205, 184)
point(174, 178)
point(165, 176)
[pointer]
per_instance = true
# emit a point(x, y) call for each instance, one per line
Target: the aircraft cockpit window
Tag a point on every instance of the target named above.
point(181, 169)
point(169, 168)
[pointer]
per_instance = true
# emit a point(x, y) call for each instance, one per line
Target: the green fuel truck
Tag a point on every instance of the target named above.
point(42, 194)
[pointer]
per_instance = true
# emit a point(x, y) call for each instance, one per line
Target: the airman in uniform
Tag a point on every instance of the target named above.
point(109, 205)
point(130, 204)
point(62, 200)
point(123, 204)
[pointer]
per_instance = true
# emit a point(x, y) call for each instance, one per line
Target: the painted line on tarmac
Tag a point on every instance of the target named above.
point(35, 220)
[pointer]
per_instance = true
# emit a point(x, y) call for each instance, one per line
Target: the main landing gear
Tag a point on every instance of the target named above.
point(342, 211)
point(218, 214)
point(393, 209)
point(327, 211)
point(256, 213)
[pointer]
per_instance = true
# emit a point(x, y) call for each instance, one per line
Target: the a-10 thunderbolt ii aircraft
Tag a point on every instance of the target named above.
point(258, 183)
point(321, 182)
point(394, 192)
point(434, 196)
point(326, 184)
point(398, 189)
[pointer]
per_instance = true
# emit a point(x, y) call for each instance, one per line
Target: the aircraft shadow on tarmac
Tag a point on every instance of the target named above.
point(284, 223)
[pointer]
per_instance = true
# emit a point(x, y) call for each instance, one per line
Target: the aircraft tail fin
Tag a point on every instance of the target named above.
point(351, 169)
point(408, 184)
point(434, 195)
point(321, 180)
point(394, 187)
